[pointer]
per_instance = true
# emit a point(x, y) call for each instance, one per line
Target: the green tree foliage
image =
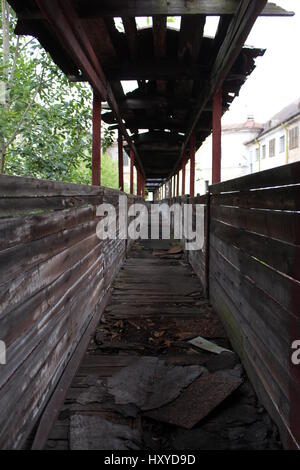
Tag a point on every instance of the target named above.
point(45, 121)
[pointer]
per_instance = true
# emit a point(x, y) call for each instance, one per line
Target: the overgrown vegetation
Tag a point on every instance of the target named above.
point(45, 121)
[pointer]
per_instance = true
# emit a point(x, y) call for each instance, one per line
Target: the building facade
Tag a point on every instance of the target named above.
point(251, 147)
point(278, 143)
point(235, 159)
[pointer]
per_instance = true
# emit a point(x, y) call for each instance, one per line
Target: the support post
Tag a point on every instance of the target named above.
point(183, 174)
point(139, 186)
point(120, 160)
point(174, 186)
point(131, 171)
point(96, 148)
point(143, 186)
point(177, 184)
point(192, 164)
point(216, 137)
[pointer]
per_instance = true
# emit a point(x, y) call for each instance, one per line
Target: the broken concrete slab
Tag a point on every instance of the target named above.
point(96, 433)
point(197, 401)
point(150, 383)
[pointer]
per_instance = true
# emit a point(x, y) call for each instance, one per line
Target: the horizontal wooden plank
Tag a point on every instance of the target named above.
point(26, 206)
point(280, 255)
point(282, 289)
point(279, 176)
point(285, 198)
point(281, 225)
point(19, 186)
point(24, 257)
point(21, 230)
point(263, 382)
point(267, 317)
point(174, 8)
point(276, 373)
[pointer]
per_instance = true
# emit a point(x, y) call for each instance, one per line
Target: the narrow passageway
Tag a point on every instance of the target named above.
point(141, 385)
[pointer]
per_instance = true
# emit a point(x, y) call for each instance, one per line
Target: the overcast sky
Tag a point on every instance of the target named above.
point(276, 80)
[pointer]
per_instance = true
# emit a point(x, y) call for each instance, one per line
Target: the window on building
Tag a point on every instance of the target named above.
point(294, 138)
point(257, 154)
point(272, 148)
point(282, 144)
point(264, 151)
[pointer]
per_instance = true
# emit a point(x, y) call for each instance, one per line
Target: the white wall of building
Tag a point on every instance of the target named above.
point(235, 157)
point(283, 154)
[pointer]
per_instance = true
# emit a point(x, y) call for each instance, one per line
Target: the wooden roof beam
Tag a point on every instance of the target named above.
point(190, 39)
point(157, 69)
point(238, 31)
point(92, 8)
point(73, 37)
point(160, 45)
point(131, 35)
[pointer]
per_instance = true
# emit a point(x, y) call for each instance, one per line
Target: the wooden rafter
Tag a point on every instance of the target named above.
point(131, 34)
point(168, 8)
point(239, 28)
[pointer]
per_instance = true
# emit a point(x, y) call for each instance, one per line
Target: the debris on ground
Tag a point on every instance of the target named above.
point(150, 383)
point(203, 343)
point(96, 433)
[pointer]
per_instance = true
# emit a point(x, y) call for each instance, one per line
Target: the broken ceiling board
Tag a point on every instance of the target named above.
point(149, 383)
point(96, 433)
point(196, 401)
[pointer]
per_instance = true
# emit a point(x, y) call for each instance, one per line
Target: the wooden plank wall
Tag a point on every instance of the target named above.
point(197, 258)
point(254, 278)
point(54, 273)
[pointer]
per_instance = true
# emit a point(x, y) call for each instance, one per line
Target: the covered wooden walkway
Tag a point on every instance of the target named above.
point(157, 305)
point(66, 294)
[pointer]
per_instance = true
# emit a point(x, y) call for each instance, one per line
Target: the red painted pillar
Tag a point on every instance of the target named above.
point(143, 186)
point(183, 175)
point(216, 137)
point(96, 148)
point(131, 171)
point(174, 185)
point(192, 164)
point(120, 161)
point(139, 187)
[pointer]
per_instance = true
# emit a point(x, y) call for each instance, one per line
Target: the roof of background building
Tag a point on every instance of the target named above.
point(285, 114)
point(250, 124)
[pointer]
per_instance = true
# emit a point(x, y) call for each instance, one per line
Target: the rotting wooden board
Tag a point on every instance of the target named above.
point(196, 401)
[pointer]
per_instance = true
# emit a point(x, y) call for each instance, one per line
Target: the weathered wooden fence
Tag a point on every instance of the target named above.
point(55, 276)
point(250, 269)
point(254, 275)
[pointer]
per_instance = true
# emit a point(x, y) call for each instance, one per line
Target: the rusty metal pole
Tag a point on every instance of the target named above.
point(216, 137)
point(120, 160)
point(131, 171)
point(192, 164)
point(96, 144)
point(183, 175)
